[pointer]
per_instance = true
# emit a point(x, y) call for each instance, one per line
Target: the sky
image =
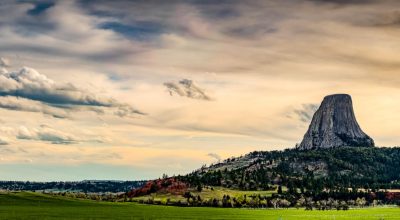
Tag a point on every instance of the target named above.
point(131, 90)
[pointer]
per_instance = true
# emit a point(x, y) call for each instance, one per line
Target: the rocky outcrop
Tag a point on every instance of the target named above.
point(334, 125)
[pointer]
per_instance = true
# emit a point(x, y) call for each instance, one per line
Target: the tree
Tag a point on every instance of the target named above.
point(343, 205)
point(280, 189)
point(300, 202)
point(361, 202)
point(153, 187)
point(284, 203)
point(275, 203)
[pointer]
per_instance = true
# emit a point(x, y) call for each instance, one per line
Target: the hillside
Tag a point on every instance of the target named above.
point(344, 176)
point(335, 155)
point(313, 170)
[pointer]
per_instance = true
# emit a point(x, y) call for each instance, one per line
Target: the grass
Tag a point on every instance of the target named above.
point(26, 205)
point(206, 193)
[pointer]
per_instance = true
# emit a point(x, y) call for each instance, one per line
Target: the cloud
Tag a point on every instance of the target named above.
point(265, 54)
point(4, 141)
point(32, 91)
point(22, 104)
point(30, 84)
point(215, 156)
point(126, 110)
point(40, 7)
point(5, 134)
point(306, 113)
point(345, 2)
point(187, 88)
point(47, 134)
point(4, 62)
point(386, 19)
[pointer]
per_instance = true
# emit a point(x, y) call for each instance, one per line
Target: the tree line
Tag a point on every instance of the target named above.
point(87, 186)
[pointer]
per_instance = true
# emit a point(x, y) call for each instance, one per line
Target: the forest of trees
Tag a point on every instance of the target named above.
point(324, 201)
point(312, 171)
point(88, 186)
point(340, 174)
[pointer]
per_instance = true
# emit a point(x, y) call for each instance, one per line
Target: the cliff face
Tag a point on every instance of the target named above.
point(334, 125)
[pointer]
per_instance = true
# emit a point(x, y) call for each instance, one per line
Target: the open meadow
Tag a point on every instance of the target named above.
point(27, 205)
point(206, 193)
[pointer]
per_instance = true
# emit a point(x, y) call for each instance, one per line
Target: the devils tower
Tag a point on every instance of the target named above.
point(334, 125)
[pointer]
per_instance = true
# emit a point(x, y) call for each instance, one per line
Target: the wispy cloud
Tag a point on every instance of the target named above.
point(4, 62)
point(46, 134)
point(345, 2)
point(306, 112)
point(187, 88)
point(4, 141)
point(214, 156)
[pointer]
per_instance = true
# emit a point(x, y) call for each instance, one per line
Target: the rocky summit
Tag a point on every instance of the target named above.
point(334, 125)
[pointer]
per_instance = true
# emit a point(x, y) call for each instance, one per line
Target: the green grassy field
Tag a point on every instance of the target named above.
point(206, 193)
point(26, 205)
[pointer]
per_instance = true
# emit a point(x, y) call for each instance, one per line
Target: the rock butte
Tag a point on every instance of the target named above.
point(334, 125)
